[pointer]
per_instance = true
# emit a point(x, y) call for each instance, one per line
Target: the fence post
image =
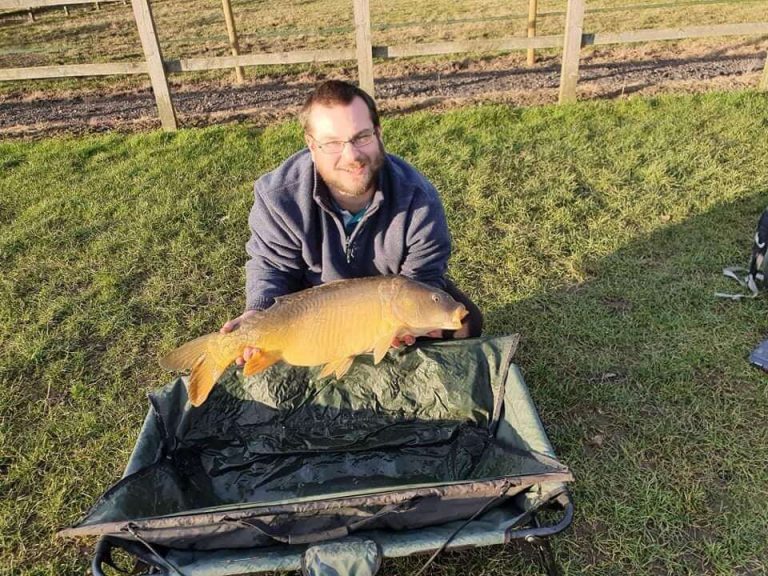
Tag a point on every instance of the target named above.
point(146, 25)
point(764, 80)
point(363, 43)
point(532, 10)
point(232, 33)
point(569, 72)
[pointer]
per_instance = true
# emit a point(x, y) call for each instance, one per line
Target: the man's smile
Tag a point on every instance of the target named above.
point(355, 170)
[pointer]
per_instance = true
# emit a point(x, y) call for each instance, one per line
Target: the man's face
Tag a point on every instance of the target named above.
point(353, 170)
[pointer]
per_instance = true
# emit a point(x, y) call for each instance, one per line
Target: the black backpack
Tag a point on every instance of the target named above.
point(754, 281)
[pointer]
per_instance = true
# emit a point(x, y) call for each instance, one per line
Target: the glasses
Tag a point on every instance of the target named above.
point(336, 146)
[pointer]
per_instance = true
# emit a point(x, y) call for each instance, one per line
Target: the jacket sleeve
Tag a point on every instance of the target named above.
point(428, 242)
point(275, 267)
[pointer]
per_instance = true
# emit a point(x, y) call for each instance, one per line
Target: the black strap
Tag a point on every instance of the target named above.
point(330, 534)
point(103, 555)
point(504, 489)
point(156, 556)
point(264, 529)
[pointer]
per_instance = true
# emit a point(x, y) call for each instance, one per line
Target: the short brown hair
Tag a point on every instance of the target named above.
point(336, 92)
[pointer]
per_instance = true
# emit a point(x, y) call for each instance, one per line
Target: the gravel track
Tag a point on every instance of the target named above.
point(402, 87)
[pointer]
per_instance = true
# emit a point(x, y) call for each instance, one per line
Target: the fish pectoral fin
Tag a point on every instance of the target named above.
point(259, 362)
point(339, 366)
point(381, 347)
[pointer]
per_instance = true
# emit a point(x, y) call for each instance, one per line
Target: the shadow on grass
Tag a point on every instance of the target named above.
point(642, 381)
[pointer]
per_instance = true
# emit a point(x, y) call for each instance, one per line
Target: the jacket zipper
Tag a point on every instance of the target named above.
point(349, 247)
point(349, 250)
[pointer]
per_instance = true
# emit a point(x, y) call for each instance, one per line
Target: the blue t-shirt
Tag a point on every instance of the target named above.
point(350, 220)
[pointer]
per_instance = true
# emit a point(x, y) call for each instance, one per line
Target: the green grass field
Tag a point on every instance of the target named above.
point(196, 27)
point(597, 231)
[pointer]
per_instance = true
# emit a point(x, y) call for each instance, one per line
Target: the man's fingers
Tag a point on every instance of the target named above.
point(462, 332)
point(234, 324)
point(406, 339)
point(248, 351)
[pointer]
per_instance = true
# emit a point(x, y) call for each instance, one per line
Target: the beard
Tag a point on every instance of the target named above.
point(354, 178)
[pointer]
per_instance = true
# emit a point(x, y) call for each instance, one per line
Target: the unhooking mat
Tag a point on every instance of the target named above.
point(285, 457)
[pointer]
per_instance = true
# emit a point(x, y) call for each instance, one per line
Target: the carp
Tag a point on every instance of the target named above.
point(326, 325)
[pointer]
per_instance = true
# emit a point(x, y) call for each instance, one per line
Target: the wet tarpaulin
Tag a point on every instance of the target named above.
point(287, 457)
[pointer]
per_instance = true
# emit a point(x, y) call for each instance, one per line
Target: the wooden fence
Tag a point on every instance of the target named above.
point(23, 5)
point(571, 42)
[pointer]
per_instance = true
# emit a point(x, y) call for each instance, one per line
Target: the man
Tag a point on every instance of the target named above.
point(344, 208)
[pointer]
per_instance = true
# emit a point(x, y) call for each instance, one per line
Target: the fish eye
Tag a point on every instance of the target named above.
point(435, 298)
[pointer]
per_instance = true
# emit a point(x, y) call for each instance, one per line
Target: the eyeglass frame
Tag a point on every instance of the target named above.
point(354, 141)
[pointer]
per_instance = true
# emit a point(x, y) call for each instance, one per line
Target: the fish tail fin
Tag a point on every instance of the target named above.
point(207, 358)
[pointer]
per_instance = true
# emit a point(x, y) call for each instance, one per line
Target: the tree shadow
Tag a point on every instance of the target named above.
point(672, 271)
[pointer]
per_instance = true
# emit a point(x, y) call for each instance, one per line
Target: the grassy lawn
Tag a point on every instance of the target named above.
point(597, 231)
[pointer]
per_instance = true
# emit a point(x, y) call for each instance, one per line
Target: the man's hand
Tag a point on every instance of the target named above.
point(409, 339)
point(234, 324)
point(462, 332)
point(406, 339)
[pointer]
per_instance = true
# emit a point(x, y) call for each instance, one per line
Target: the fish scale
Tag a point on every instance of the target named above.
point(326, 319)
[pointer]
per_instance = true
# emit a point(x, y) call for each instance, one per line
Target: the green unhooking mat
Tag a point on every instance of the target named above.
point(285, 457)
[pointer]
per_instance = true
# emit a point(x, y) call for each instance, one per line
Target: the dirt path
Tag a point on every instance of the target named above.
point(399, 87)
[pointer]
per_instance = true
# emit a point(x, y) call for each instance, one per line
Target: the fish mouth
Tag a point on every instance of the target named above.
point(458, 315)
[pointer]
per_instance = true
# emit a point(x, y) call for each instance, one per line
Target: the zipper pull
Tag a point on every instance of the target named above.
point(349, 251)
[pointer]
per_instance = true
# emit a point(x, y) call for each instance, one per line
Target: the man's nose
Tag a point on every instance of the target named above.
point(350, 151)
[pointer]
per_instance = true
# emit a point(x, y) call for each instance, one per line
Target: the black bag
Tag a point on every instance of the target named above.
point(754, 281)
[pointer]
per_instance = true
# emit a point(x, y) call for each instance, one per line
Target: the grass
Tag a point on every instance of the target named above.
point(196, 28)
point(597, 231)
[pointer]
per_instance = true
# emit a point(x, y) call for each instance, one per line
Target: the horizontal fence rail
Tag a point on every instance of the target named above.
point(715, 30)
point(296, 57)
point(73, 70)
point(437, 48)
point(27, 4)
point(571, 42)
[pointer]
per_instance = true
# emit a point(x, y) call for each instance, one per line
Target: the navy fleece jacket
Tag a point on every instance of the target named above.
point(298, 239)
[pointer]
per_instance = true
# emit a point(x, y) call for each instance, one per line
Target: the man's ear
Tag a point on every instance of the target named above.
point(309, 143)
point(378, 131)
